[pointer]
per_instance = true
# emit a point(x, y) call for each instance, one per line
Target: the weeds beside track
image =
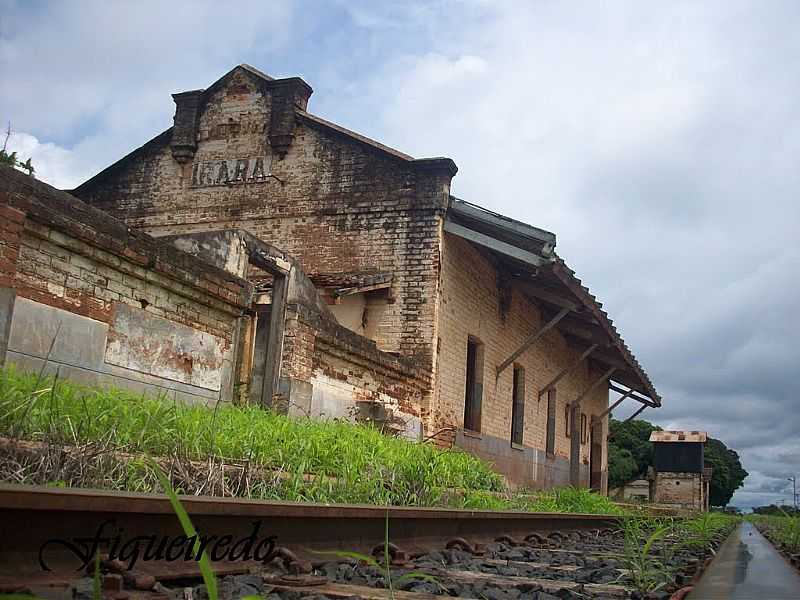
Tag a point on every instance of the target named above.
point(95, 437)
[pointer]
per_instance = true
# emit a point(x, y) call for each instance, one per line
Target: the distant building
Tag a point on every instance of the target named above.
point(679, 477)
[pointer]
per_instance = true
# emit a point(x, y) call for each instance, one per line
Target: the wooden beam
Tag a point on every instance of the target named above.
point(633, 394)
point(593, 386)
point(615, 405)
point(636, 414)
point(363, 289)
point(547, 295)
point(568, 369)
point(493, 244)
point(532, 339)
point(584, 331)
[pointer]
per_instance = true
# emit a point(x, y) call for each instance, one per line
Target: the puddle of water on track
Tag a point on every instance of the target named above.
point(748, 567)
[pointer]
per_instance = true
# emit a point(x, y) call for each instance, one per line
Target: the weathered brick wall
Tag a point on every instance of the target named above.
point(67, 273)
point(338, 204)
point(343, 369)
point(12, 222)
point(59, 254)
point(679, 489)
point(470, 306)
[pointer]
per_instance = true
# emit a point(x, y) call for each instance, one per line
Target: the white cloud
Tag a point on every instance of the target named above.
point(94, 77)
point(55, 165)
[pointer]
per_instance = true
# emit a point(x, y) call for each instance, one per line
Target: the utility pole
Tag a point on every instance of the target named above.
point(793, 479)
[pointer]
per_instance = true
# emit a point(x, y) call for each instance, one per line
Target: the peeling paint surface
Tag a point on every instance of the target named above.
point(160, 347)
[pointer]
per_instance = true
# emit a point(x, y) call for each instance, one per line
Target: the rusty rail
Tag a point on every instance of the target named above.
point(32, 515)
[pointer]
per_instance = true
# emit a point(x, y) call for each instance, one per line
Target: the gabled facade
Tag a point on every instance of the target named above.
point(464, 322)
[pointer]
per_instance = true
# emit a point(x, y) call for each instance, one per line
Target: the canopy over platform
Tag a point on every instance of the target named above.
point(527, 255)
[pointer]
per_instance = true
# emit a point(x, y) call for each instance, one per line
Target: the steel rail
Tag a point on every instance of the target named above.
point(30, 516)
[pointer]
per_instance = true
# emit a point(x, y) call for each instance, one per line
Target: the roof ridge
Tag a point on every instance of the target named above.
point(350, 133)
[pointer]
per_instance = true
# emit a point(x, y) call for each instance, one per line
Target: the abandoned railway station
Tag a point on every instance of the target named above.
point(256, 253)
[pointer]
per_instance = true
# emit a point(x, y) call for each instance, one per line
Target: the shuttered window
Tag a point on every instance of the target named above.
point(518, 406)
point(474, 385)
point(551, 422)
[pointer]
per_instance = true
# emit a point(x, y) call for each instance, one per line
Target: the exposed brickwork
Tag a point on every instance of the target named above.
point(56, 251)
point(70, 274)
point(470, 305)
point(314, 346)
point(11, 225)
point(679, 489)
point(338, 204)
point(298, 348)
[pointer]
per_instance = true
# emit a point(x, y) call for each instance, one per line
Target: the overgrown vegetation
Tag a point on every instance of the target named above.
point(782, 530)
point(10, 158)
point(99, 438)
point(651, 546)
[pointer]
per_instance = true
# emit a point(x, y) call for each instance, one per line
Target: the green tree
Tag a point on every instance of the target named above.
point(634, 436)
point(727, 475)
point(621, 466)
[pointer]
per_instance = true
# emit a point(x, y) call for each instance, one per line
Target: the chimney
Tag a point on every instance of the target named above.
point(287, 95)
point(184, 132)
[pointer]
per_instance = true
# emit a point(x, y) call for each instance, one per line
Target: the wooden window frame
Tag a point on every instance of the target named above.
point(473, 386)
point(550, 431)
point(518, 406)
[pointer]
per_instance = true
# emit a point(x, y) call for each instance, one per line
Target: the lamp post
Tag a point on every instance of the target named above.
point(793, 479)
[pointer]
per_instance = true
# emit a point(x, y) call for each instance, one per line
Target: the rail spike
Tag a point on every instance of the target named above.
point(461, 544)
point(395, 553)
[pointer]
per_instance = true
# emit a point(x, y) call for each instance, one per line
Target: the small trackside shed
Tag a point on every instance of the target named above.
point(679, 475)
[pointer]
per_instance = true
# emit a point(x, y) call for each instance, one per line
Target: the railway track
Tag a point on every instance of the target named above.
point(485, 555)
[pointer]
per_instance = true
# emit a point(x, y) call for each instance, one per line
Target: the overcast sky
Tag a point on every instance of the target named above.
point(658, 140)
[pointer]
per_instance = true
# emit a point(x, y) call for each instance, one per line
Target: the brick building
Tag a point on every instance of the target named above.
point(375, 292)
point(679, 477)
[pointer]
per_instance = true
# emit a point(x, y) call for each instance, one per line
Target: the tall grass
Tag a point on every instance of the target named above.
point(321, 461)
point(783, 530)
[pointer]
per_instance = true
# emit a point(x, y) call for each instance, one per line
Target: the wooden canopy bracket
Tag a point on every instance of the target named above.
point(532, 339)
point(637, 413)
point(566, 370)
point(616, 404)
point(592, 387)
point(633, 394)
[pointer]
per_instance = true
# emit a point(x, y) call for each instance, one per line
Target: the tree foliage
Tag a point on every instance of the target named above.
point(630, 453)
point(728, 474)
